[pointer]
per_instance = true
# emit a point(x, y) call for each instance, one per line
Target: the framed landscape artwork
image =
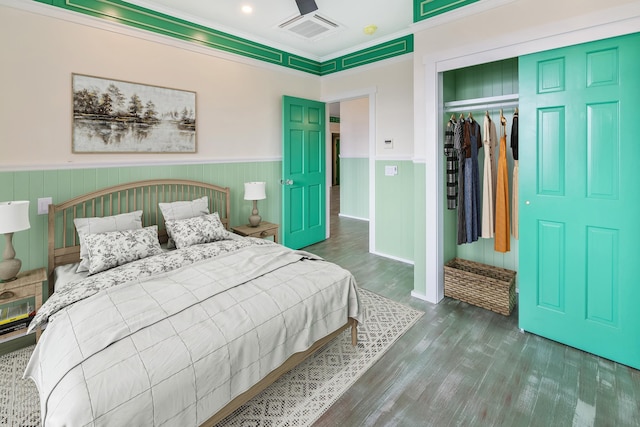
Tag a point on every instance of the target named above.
point(112, 116)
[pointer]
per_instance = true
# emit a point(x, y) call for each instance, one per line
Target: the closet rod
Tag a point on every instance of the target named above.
point(502, 101)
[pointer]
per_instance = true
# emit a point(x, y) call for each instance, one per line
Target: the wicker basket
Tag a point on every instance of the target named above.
point(482, 285)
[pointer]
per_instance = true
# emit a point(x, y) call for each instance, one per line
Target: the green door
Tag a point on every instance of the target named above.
point(303, 172)
point(579, 203)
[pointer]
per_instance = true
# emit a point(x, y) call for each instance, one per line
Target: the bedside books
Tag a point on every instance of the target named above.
point(16, 317)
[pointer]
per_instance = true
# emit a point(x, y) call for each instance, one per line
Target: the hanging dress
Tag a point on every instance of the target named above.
point(514, 201)
point(489, 178)
point(472, 141)
point(457, 144)
point(502, 239)
point(452, 166)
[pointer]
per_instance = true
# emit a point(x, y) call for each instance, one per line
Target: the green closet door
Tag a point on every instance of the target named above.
point(579, 263)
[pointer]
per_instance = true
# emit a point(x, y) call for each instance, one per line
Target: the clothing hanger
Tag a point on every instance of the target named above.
point(516, 112)
point(461, 116)
point(470, 116)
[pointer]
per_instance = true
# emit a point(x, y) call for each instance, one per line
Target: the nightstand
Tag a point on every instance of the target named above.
point(28, 284)
point(263, 230)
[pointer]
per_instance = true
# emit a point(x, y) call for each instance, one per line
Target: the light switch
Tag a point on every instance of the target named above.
point(391, 170)
point(388, 143)
point(43, 205)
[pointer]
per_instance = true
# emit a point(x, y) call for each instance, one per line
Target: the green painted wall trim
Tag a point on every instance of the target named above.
point(424, 9)
point(390, 49)
point(146, 19)
point(156, 22)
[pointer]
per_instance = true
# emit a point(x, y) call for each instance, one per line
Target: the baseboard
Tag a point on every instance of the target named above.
point(341, 215)
point(395, 258)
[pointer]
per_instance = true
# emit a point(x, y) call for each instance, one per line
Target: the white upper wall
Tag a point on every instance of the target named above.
point(354, 129)
point(238, 103)
point(390, 82)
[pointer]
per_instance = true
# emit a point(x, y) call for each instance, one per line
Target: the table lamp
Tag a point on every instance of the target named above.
point(14, 216)
point(254, 191)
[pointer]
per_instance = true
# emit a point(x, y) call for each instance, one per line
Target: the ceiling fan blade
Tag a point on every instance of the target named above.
point(306, 6)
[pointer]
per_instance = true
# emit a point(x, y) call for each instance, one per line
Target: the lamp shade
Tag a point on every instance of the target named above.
point(255, 190)
point(14, 216)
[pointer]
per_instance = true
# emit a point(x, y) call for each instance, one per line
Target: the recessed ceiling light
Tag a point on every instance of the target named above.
point(247, 9)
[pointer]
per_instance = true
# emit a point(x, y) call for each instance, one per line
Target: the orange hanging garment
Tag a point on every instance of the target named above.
point(502, 240)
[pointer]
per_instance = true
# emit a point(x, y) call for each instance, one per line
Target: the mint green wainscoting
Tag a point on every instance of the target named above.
point(395, 202)
point(419, 229)
point(63, 184)
point(354, 187)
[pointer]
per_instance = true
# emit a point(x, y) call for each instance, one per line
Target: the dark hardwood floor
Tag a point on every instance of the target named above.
point(462, 365)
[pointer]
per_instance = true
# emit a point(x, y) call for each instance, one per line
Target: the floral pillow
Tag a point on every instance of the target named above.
point(93, 225)
point(182, 210)
point(111, 249)
point(197, 230)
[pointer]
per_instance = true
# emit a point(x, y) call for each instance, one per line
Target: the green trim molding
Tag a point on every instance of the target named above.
point(424, 9)
point(392, 48)
point(156, 22)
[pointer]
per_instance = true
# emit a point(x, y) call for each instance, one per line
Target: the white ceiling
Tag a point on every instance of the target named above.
point(392, 17)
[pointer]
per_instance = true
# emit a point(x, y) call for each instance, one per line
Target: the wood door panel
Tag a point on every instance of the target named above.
point(579, 207)
point(603, 146)
point(551, 151)
point(551, 273)
point(603, 246)
point(303, 170)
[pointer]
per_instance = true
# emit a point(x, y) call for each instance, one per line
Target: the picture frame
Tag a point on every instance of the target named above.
point(115, 116)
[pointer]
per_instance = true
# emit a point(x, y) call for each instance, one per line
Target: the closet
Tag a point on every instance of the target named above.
point(578, 228)
point(476, 92)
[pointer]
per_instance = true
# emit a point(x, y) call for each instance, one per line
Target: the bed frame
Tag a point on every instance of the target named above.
point(64, 245)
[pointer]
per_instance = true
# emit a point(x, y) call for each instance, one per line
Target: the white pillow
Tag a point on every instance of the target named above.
point(85, 226)
point(114, 248)
point(196, 230)
point(182, 210)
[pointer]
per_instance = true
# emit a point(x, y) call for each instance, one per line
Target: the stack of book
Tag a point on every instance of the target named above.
point(16, 317)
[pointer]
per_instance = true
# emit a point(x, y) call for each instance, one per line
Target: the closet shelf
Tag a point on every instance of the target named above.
point(501, 101)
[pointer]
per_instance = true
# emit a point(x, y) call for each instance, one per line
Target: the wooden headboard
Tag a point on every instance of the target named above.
point(64, 245)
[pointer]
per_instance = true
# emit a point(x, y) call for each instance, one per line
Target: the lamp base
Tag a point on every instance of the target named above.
point(9, 269)
point(254, 220)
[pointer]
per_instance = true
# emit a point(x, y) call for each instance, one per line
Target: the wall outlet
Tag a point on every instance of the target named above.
point(43, 205)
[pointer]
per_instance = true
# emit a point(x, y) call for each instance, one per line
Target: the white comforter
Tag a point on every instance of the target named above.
point(176, 347)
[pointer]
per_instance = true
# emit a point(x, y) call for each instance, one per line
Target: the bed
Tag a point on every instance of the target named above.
point(158, 315)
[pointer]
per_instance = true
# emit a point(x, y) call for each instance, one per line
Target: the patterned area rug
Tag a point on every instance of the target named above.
point(299, 398)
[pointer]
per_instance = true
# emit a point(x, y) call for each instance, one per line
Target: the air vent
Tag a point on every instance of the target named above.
point(310, 27)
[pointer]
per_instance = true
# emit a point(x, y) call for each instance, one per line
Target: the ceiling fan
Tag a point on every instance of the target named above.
point(306, 6)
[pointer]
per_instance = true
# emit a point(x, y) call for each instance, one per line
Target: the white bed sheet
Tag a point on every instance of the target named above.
point(223, 336)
